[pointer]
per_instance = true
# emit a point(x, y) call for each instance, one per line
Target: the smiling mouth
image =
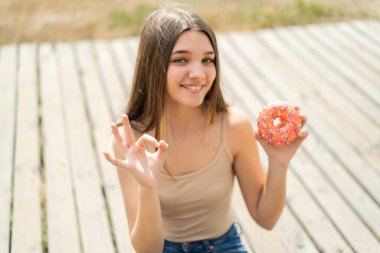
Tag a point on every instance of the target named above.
point(193, 88)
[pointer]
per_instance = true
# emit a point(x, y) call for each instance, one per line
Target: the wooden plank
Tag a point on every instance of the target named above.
point(112, 86)
point(319, 226)
point(337, 86)
point(319, 180)
point(259, 239)
point(123, 62)
point(335, 171)
point(343, 217)
point(91, 207)
point(350, 191)
point(293, 236)
point(246, 244)
point(367, 29)
point(132, 44)
point(264, 64)
point(370, 44)
point(8, 89)
point(366, 50)
point(374, 23)
point(324, 236)
point(361, 77)
point(368, 83)
point(26, 227)
point(63, 235)
point(361, 48)
point(288, 231)
point(98, 114)
point(304, 80)
point(255, 238)
point(372, 139)
point(308, 83)
point(345, 153)
point(313, 219)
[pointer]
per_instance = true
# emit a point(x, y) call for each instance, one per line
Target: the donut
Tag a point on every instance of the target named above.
point(279, 123)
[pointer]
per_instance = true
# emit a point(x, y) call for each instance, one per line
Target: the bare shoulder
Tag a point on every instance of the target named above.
point(238, 121)
point(239, 128)
point(236, 117)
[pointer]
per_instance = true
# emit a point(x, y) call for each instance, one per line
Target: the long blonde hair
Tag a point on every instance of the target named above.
point(160, 32)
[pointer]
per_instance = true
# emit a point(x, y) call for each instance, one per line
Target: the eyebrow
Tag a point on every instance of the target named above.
point(188, 52)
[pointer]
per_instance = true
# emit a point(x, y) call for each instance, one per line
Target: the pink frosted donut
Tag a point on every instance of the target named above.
point(279, 123)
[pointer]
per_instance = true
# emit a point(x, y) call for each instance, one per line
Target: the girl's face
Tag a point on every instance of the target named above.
point(191, 70)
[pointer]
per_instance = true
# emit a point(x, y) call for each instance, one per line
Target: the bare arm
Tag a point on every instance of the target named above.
point(264, 194)
point(136, 167)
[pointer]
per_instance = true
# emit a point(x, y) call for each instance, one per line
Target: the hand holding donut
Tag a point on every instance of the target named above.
point(279, 131)
point(136, 158)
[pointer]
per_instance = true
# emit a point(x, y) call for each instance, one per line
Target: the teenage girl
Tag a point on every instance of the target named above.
point(179, 146)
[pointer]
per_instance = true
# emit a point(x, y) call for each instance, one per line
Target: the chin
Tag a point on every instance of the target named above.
point(191, 102)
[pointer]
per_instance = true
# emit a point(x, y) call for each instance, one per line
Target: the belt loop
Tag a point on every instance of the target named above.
point(239, 228)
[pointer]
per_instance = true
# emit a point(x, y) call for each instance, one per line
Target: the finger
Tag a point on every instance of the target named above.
point(301, 137)
point(109, 158)
point(147, 139)
point(116, 134)
point(161, 153)
point(259, 138)
point(303, 134)
point(129, 137)
point(115, 162)
point(303, 120)
point(257, 135)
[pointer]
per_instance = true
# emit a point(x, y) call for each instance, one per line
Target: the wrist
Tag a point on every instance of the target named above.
point(147, 190)
point(277, 165)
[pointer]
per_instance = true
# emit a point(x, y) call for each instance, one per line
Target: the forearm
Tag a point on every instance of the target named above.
point(273, 195)
point(147, 232)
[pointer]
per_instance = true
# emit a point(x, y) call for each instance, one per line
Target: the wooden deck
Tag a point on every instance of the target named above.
point(57, 194)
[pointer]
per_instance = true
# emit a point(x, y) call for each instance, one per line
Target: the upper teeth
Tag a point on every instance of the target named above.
point(191, 87)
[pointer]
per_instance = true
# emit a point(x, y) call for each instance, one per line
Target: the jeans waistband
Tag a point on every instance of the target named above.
point(235, 229)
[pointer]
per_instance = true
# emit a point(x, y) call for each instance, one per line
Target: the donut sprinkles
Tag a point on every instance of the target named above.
point(279, 123)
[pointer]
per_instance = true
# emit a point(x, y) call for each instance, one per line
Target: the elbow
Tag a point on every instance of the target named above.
point(144, 247)
point(267, 225)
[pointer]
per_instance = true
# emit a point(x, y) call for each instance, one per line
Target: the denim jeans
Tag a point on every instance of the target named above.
point(227, 243)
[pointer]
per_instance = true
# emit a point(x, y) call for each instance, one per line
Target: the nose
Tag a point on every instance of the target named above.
point(196, 71)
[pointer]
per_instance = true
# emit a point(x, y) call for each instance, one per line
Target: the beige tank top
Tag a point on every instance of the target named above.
point(196, 206)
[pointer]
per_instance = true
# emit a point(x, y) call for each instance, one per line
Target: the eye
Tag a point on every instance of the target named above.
point(180, 60)
point(209, 60)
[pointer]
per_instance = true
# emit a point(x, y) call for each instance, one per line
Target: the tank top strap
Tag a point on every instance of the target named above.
point(224, 128)
point(223, 136)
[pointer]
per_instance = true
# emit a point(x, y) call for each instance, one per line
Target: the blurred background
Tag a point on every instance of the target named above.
point(58, 194)
point(65, 20)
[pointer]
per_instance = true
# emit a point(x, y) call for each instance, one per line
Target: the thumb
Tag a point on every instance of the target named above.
point(258, 136)
point(260, 139)
point(301, 137)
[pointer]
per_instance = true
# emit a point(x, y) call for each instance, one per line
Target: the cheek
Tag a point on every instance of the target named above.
point(173, 77)
point(174, 73)
point(211, 74)
point(169, 78)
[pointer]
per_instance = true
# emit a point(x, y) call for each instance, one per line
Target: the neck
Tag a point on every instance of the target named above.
point(184, 120)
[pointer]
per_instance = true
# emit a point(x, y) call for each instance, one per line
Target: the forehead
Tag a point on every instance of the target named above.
point(193, 41)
